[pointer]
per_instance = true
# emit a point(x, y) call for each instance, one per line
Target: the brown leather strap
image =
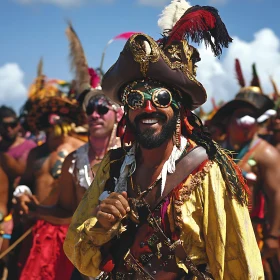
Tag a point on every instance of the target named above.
point(183, 169)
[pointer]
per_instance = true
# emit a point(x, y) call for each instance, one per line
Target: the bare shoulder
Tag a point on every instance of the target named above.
point(75, 143)
point(267, 155)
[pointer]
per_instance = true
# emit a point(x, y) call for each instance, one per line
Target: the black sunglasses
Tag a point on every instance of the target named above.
point(101, 109)
point(9, 124)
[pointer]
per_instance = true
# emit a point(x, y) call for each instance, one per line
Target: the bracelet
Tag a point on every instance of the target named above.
point(270, 236)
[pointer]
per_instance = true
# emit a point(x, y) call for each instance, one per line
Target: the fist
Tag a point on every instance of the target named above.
point(112, 209)
point(25, 203)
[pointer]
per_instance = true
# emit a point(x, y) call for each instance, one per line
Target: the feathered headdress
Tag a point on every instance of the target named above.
point(181, 21)
point(86, 78)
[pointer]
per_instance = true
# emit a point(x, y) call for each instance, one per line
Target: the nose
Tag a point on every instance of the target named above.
point(95, 115)
point(148, 107)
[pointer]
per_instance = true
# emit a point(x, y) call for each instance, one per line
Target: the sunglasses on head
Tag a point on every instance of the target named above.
point(95, 105)
point(161, 98)
point(9, 124)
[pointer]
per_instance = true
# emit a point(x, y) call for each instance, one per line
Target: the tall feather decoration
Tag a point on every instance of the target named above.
point(276, 92)
point(40, 68)
point(78, 60)
point(201, 23)
point(239, 73)
point(39, 81)
point(255, 81)
point(171, 14)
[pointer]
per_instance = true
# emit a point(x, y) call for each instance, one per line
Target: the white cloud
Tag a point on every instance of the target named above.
point(12, 90)
point(218, 76)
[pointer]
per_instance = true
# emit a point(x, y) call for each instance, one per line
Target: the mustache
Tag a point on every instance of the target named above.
point(154, 115)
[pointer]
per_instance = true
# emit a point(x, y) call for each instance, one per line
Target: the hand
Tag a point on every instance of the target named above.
point(112, 209)
point(25, 203)
point(270, 248)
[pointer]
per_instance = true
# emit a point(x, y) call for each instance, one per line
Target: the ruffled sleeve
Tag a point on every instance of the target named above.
point(216, 229)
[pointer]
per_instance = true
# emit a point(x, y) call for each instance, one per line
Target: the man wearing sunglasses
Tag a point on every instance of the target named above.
point(164, 208)
point(12, 143)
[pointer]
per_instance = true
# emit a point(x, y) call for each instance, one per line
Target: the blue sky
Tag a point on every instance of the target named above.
point(30, 29)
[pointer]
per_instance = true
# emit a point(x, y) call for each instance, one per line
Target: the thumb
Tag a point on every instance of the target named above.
point(124, 194)
point(34, 199)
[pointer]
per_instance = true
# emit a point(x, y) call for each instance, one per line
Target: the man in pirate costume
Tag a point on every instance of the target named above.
point(173, 205)
point(47, 109)
point(258, 160)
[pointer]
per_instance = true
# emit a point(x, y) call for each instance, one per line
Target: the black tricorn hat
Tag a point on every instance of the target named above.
point(142, 57)
point(248, 97)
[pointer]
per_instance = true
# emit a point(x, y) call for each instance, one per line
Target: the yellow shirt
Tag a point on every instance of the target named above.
point(215, 228)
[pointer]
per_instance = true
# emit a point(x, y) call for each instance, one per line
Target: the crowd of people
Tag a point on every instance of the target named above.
point(121, 176)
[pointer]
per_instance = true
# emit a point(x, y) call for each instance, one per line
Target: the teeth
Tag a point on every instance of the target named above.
point(149, 121)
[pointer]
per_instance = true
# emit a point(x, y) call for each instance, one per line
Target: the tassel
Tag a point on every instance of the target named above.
point(201, 23)
point(178, 133)
point(239, 73)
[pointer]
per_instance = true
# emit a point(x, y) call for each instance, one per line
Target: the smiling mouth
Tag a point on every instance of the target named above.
point(149, 121)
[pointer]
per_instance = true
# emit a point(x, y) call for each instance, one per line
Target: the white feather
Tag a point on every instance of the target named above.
point(171, 14)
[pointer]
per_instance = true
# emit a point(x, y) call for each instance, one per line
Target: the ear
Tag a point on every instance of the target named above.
point(119, 114)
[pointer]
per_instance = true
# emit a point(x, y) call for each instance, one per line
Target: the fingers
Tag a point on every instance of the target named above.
point(34, 199)
point(112, 209)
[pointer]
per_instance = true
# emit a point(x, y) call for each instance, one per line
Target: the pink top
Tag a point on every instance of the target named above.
point(22, 150)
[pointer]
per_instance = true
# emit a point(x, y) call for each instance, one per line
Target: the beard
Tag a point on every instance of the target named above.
point(148, 139)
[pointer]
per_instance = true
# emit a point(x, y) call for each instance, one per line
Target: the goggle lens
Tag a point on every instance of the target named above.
point(161, 98)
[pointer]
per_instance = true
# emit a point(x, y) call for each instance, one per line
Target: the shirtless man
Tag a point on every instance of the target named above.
point(54, 114)
point(259, 162)
point(43, 169)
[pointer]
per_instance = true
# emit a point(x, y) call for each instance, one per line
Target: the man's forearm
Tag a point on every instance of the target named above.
point(274, 215)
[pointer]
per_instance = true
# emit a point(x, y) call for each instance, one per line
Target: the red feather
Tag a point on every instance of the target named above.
point(94, 78)
point(239, 73)
point(201, 23)
point(198, 21)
